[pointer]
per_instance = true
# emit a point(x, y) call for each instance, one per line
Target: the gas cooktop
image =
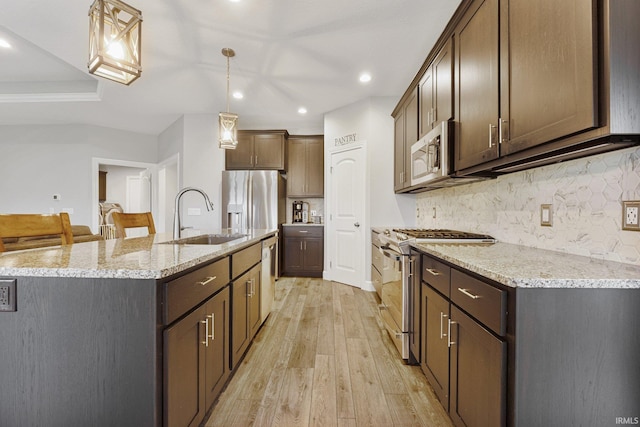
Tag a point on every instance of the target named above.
point(426, 234)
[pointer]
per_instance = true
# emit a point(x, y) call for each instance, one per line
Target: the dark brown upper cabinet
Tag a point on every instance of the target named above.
point(259, 150)
point(406, 133)
point(305, 173)
point(436, 91)
point(545, 81)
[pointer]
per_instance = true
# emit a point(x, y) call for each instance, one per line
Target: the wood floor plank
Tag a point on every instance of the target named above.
point(344, 394)
point(347, 422)
point(368, 397)
point(294, 404)
point(402, 411)
point(303, 354)
point(352, 320)
point(323, 395)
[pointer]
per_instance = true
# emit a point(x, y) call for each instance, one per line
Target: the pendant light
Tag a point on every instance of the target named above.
point(115, 31)
point(228, 122)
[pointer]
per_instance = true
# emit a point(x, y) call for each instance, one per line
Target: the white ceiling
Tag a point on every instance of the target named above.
point(289, 53)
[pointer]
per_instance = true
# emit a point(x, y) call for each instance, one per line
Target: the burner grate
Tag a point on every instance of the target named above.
point(440, 234)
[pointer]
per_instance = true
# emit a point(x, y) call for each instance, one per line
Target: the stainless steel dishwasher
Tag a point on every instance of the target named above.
point(269, 275)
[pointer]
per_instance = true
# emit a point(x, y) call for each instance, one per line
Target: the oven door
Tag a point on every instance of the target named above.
point(394, 299)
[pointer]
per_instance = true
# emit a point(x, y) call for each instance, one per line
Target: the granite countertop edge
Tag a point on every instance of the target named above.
point(149, 257)
point(519, 266)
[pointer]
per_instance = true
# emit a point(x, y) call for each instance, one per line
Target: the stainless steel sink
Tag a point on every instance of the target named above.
point(207, 239)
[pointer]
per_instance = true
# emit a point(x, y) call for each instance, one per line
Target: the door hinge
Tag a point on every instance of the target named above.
point(331, 169)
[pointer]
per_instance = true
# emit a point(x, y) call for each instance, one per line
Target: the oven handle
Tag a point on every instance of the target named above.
point(389, 253)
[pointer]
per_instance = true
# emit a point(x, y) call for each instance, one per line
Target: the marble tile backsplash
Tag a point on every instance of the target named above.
point(586, 197)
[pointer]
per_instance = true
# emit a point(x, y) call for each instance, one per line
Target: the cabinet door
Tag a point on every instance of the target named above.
point(478, 374)
point(398, 153)
point(410, 133)
point(296, 170)
point(313, 254)
point(254, 319)
point(476, 44)
point(217, 312)
point(435, 342)
point(240, 338)
point(548, 65)
point(315, 167)
point(425, 106)
point(443, 84)
point(269, 151)
point(293, 251)
point(184, 367)
point(242, 156)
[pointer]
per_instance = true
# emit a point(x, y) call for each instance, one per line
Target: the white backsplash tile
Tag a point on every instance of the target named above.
point(586, 197)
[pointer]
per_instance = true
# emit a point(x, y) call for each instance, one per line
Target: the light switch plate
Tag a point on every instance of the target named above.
point(631, 215)
point(546, 215)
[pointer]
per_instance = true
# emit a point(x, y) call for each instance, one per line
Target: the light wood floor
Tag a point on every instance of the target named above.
point(323, 359)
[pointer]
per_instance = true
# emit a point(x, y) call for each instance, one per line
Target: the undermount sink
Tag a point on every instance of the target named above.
point(207, 239)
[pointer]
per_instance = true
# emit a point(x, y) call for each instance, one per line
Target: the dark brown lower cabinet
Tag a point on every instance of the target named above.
point(303, 251)
point(246, 312)
point(435, 345)
point(477, 375)
point(195, 362)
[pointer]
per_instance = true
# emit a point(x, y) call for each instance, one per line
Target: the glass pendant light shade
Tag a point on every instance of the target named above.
point(228, 122)
point(115, 31)
point(228, 130)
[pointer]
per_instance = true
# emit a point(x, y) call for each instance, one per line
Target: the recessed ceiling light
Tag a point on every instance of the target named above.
point(238, 95)
point(302, 110)
point(4, 43)
point(365, 78)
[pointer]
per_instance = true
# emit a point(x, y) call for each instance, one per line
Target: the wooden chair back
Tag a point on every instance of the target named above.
point(35, 225)
point(122, 221)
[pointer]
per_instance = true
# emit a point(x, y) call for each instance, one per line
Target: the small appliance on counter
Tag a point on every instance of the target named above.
point(297, 211)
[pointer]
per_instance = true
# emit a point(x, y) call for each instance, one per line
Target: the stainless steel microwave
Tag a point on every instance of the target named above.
point(430, 155)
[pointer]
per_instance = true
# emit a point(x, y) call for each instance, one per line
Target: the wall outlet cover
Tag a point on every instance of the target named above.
point(631, 215)
point(546, 215)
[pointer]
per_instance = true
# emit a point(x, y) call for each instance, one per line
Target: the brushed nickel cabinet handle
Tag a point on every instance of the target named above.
point(208, 280)
point(212, 316)
point(492, 128)
point(433, 271)
point(449, 342)
point(442, 316)
point(206, 332)
point(469, 294)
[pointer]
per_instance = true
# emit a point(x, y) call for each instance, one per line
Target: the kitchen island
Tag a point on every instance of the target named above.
point(110, 333)
point(517, 336)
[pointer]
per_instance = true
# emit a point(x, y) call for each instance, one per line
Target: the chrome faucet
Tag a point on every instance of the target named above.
point(177, 227)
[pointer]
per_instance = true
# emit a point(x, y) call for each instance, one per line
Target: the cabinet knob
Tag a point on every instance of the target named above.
point(357, 224)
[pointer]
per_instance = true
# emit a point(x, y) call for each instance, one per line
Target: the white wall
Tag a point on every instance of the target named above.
point(586, 197)
point(371, 120)
point(39, 161)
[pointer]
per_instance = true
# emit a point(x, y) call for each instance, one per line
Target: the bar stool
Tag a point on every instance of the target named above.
point(122, 221)
point(35, 225)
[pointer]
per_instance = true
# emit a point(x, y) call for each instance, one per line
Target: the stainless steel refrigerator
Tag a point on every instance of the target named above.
point(253, 200)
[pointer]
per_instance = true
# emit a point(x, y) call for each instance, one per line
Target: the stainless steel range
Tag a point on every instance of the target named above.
point(393, 267)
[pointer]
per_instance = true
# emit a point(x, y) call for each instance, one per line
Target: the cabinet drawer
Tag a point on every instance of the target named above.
point(186, 292)
point(436, 274)
point(303, 231)
point(376, 278)
point(377, 258)
point(483, 301)
point(242, 260)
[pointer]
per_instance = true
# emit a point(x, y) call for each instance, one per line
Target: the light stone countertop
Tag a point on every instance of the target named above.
point(525, 267)
point(131, 258)
point(300, 224)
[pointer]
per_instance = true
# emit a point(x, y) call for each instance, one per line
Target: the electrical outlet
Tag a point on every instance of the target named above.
point(630, 215)
point(7, 295)
point(546, 216)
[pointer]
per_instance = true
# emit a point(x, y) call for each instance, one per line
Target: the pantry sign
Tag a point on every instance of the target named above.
point(345, 140)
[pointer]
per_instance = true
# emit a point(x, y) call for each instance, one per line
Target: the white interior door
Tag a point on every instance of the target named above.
point(346, 222)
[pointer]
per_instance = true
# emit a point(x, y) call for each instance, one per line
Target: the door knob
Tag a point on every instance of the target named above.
point(357, 224)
